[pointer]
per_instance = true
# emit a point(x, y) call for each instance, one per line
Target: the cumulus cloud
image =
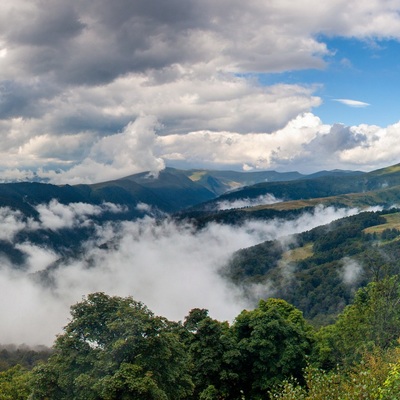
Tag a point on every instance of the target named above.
point(381, 146)
point(75, 74)
point(255, 150)
point(304, 144)
point(112, 157)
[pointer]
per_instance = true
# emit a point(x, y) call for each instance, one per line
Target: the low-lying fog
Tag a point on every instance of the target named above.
point(171, 268)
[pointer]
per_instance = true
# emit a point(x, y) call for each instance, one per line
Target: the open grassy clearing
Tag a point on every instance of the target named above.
point(234, 184)
point(301, 253)
point(393, 222)
point(197, 175)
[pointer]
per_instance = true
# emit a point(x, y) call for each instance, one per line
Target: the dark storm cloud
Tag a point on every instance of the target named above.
point(91, 43)
point(18, 98)
point(173, 12)
point(45, 24)
point(88, 120)
point(88, 42)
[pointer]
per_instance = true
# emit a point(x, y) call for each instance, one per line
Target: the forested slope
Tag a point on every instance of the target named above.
point(319, 270)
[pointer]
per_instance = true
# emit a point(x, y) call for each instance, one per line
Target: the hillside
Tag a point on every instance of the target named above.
point(220, 182)
point(170, 191)
point(319, 271)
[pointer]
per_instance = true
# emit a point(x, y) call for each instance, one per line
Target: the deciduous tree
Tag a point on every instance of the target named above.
point(115, 348)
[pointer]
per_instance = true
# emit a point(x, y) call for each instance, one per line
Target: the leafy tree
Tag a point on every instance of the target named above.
point(372, 321)
point(115, 348)
point(389, 234)
point(12, 355)
point(374, 377)
point(274, 341)
point(14, 384)
point(390, 389)
point(214, 356)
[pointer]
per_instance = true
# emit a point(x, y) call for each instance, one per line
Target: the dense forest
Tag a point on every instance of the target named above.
point(319, 271)
point(116, 348)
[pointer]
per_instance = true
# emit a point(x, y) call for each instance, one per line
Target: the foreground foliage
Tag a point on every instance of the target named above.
point(116, 348)
point(375, 377)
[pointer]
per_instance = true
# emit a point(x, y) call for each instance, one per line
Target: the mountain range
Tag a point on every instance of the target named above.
point(171, 191)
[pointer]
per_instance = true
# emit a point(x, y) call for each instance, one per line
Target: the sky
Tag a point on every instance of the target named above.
point(97, 90)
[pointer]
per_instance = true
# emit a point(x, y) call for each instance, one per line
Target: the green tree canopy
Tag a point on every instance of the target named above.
point(214, 356)
point(274, 341)
point(373, 320)
point(14, 383)
point(115, 348)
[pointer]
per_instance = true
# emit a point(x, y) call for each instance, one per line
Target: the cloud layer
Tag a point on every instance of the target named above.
point(80, 78)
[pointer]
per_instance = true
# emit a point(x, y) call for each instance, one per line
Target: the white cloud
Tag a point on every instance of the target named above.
point(38, 258)
point(55, 215)
point(381, 146)
point(352, 103)
point(256, 150)
point(11, 223)
point(115, 156)
point(305, 144)
point(246, 202)
point(351, 272)
point(75, 74)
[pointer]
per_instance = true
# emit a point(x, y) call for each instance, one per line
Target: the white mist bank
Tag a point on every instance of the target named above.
point(171, 268)
point(247, 202)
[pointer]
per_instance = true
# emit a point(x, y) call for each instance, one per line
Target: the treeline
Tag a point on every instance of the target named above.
point(25, 356)
point(237, 217)
point(116, 348)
